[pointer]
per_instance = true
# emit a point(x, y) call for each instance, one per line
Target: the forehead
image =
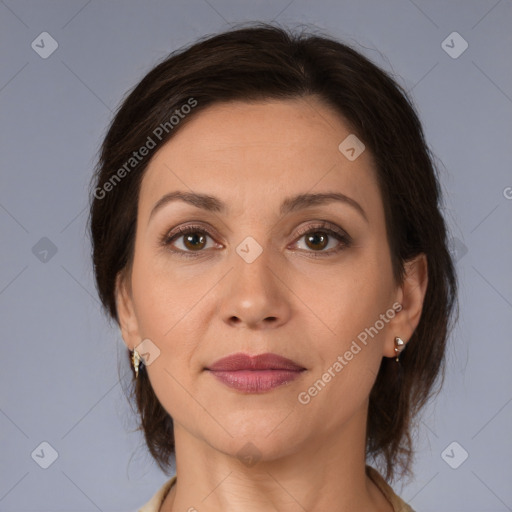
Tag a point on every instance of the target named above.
point(252, 152)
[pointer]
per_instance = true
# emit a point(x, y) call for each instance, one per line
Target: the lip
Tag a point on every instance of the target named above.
point(267, 361)
point(255, 374)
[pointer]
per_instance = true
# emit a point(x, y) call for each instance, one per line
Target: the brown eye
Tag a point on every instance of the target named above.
point(317, 240)
point(194, 241)
point(186, 240)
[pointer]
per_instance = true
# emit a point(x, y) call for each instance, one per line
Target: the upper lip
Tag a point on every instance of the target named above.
point(265, 361)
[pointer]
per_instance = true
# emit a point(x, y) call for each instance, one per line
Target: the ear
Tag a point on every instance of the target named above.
point(125, 310)
point(410, 295)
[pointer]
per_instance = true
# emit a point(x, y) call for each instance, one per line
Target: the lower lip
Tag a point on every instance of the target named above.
point(255, 381)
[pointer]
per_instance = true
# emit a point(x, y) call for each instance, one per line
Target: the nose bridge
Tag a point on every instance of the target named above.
point(252, 268)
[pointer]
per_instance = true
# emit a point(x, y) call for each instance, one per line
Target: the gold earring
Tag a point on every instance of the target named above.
point(399, 346)
point(136, 359)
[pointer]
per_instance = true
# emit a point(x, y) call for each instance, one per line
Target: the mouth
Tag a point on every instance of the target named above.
point(255, 374)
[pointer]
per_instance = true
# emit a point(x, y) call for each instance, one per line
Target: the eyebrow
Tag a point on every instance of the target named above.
point(289, 205)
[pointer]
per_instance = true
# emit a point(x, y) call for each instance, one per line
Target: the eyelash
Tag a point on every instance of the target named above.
point(323, 227)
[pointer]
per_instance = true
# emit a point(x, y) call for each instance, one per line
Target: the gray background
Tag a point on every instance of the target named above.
point(59, 360)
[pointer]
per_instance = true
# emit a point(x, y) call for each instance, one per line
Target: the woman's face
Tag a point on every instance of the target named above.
point(247, 279)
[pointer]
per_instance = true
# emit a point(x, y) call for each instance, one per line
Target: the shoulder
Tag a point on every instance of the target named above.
point(153, 505)
point(396, 502)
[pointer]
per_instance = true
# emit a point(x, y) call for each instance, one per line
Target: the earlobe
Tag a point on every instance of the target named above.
point(411, 296)
point(125, 311)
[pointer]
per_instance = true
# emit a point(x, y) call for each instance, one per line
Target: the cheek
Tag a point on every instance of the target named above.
point(351, 350)
point(166, 308)
point(165, 293)
point(351, 297)
point(354, 303)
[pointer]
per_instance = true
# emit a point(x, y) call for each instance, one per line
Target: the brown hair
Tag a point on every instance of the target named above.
point(267, 62)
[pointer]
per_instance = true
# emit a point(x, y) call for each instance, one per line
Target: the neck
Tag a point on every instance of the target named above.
point(313, 475)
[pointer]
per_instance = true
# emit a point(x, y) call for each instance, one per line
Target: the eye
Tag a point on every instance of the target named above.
point(318, 237)
point(192, 239)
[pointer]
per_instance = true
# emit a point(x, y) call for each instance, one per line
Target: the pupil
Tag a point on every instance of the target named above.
point(192, 239)
point(315, 236)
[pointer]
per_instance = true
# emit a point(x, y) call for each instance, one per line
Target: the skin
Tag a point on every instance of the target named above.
point(196, 310)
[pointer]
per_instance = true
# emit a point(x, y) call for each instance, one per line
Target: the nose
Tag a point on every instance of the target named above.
point(257, 295)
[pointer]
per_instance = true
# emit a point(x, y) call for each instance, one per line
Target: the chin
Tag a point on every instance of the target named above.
point(264, 439)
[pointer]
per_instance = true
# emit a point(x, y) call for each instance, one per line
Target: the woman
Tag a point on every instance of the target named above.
point(267, 234)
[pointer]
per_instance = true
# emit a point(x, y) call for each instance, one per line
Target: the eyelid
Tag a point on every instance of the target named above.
point(320, 225)
point(182, 230)
point(344, 239)
point(324, 225)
